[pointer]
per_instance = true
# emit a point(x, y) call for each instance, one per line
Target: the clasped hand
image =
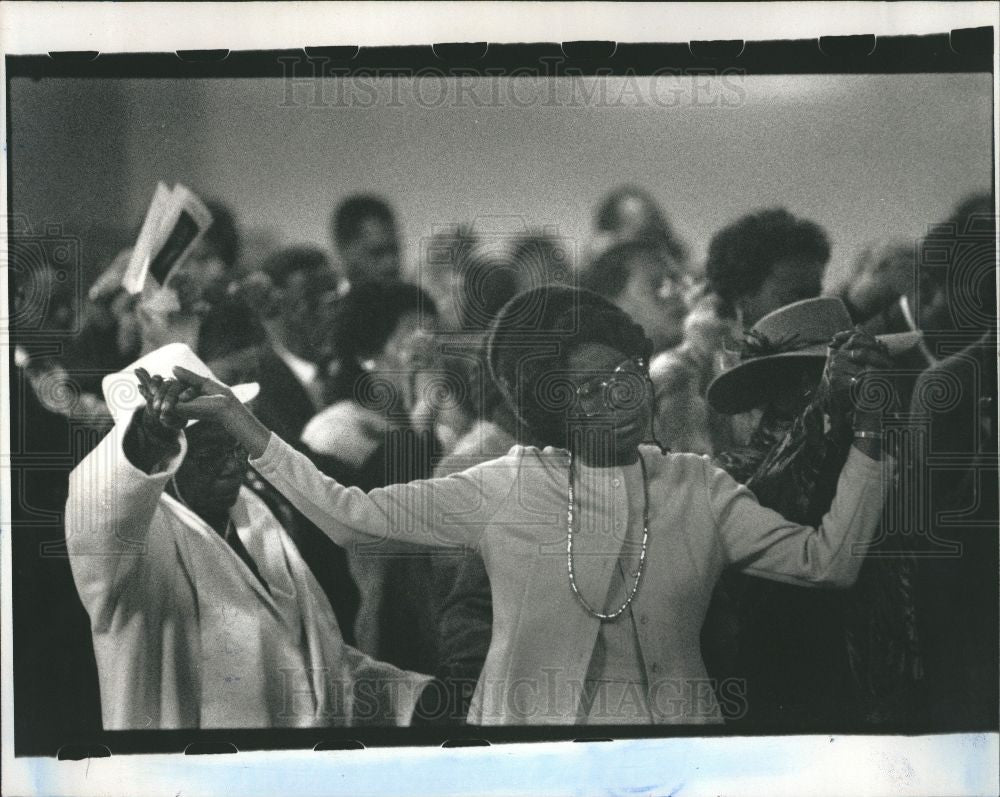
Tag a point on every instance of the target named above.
point(853, 354)
point(171, 403)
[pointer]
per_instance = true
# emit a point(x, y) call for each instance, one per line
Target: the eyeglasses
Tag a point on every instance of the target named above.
point(623, 389)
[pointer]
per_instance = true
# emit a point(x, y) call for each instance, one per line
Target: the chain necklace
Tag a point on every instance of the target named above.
point(642, 554)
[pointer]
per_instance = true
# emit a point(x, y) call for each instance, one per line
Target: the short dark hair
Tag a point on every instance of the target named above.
point(283, 264)
point(525, 329)
point(742, 255)
point(609, 273)
point(351, 212)
point(364, 319)
point(540, 258)
point(229, 326)
point(223, 236)
point(488, 283)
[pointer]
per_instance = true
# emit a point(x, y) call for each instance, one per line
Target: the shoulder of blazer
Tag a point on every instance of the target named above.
point(674, 466)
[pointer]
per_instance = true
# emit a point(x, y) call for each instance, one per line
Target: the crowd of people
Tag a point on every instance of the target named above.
point(517, 484)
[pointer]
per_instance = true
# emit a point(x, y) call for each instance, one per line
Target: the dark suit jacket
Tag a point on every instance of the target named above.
point(957, 592)
point(283, 405)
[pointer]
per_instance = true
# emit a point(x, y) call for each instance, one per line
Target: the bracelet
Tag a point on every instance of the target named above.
point(866, 435)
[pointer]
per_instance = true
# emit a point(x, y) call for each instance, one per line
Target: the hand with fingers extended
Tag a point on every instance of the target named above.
point(195, 397)
point(158, 416)
point(203, 399)
point(153, 434)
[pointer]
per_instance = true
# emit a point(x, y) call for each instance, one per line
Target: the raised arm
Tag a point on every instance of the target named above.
point(113, 495)
point(436, 512)
point(762, 542)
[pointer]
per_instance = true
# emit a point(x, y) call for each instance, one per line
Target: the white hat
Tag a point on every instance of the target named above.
point(121, 389)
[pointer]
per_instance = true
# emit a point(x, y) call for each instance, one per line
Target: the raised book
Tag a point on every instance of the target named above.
point(174, 224)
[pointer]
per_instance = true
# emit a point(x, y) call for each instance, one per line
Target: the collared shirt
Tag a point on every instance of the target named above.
point(304, 370)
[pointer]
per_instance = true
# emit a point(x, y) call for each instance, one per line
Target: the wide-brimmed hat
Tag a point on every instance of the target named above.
point(796, 334)
point(121, 389)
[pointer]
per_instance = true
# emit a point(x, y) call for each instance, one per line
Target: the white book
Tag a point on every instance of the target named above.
point(175, 222)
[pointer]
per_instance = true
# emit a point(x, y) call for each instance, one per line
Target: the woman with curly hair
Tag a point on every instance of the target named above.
point(601, 552)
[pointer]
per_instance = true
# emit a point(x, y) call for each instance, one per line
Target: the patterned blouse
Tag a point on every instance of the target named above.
point(792, 466)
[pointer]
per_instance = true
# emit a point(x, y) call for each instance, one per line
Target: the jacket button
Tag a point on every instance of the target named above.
point(617, 483)
point(644, 619)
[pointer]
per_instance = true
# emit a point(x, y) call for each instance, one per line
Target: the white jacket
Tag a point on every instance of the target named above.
point(186, 636)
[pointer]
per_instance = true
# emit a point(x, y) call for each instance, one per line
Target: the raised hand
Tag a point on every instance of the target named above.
point(200, 398)
point(161, 395)
point(853, 354)
point(204, 399)
point(153, 433)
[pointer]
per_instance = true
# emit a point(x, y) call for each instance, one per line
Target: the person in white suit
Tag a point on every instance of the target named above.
point(203, 613)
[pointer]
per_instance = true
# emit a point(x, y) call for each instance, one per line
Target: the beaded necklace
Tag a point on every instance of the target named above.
point(642, 554)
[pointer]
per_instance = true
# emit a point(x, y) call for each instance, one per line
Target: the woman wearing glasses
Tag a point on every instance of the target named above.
point(602, 553)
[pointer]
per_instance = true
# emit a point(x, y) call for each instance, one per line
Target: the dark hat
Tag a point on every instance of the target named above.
point(797, 334)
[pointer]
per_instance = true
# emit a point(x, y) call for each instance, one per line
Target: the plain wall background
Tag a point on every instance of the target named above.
point(867, 156)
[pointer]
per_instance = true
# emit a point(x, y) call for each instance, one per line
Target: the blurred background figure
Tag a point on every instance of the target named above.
point(54, 421)
point(446, 256)
point(109, 336)
point(681, 376)
point(540, 257)
point(383, 435)
point(462, 596)
point(488, 282)
point(764, 261)
point(646, 284)
point(381, 333)
point(629, 213)
point(216, 259)
point(47, 307)
point(238, 348)
point(954, 295)
point(757, 264)
point(876, 281)
point(954, 478)
point(296, 317)
point(366, 238)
